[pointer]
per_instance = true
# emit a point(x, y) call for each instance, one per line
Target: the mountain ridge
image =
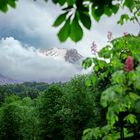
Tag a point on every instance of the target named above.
point(69, 55)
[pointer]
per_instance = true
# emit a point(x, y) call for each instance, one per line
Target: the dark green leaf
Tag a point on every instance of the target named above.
point(115, 8)
point(123, 18)
point(94, 14)
point(99, 12)
point(4, 8)
point(85, 19)
point(129, 4)
point(87, 63)
point(70, 2)
point(131, 118)
point(108, 11)
point(12, 3)
point(94, 78)
point(76, 32)
point(118, 77)
point(60, 19)
point(62, 2)
point(64, 31)
point(88, 81)
point(105, 52)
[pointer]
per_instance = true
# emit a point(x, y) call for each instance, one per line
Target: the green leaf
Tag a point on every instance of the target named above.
point(85, 19)
point(130, 119)
point(60, 19)
point(102, 64)
point(115, 8)
point(87, 134)
point(94, 78)
point(118, 77)
point(134, 78)
point(137, 107)
point(97, 12)
point(61, 2)
point(3, 7)
point(88, 81)
point(96, 68)
point(70, 2)
point(107, 97)
point(105, 52)
point(96, 133)
point(87, 62)
point(116, 64)
point(4, 4)
point(90, 134)
point(105, 129)
point(12, 3)
point(108, 11)
point(64, 31)
point(133, 96)
point(97, 18)
point(123, 18)
point(129, 4)
point(108, 137)
point(111, 117)
point(76, 32)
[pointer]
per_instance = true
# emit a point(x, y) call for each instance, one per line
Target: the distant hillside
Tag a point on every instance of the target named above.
point(29, 89)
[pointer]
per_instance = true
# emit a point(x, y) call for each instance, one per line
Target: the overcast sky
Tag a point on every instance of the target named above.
point(28, 29)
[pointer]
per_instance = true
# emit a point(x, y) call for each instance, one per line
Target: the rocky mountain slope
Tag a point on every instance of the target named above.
point(70, 55)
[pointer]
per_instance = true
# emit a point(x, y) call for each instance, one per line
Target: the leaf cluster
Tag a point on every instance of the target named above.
point(120, 93)
point(78, 14)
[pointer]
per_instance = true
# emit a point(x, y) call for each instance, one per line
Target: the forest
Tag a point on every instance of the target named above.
point(35, 111)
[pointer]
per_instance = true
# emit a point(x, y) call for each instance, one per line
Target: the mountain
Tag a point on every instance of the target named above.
point(70, 55)
point(6, 80)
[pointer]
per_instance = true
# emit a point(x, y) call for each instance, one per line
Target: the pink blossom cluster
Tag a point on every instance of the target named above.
point(129, 64)
point(94, 48)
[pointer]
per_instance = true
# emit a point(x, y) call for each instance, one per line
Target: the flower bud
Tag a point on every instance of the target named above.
point(129, 64)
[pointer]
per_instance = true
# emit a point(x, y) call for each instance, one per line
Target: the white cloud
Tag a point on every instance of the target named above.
point(23, 63)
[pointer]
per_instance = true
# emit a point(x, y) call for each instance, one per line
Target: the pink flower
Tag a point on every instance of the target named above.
point(129, 64)
point(125, 33)
point(94, 48)
point(109, 36)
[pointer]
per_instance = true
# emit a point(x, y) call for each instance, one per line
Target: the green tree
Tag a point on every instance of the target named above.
point(117, 66)
point(79, 108)
point(10, 120)
point(30, 120)
point(18, 119)
point(48, 105)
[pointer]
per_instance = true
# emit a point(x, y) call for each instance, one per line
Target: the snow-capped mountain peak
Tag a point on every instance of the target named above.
point(56, 52)
point(70, 55)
